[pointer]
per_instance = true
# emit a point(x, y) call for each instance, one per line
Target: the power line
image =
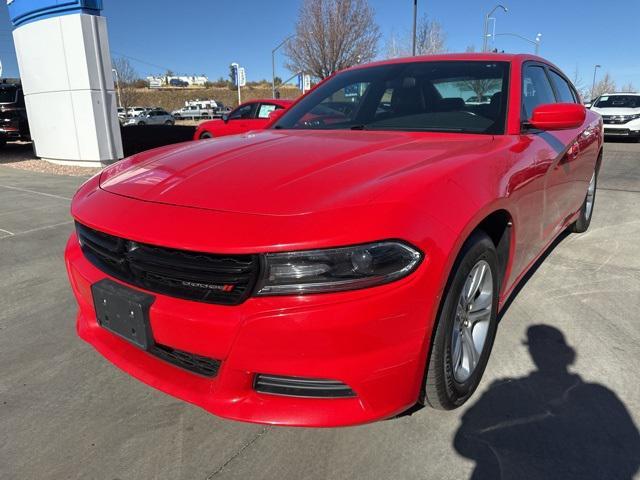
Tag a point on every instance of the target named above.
point(141, 61)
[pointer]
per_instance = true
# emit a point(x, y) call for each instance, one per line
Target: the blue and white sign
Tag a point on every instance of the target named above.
point(25, 11)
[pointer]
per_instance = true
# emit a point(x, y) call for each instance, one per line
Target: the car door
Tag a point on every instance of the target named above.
point(585, 148)
point(557, 152)
point(240, 120)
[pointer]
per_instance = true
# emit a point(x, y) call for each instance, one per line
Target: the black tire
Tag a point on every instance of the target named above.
point(141, 123)
point(581, 225)
point(2, 143)
point(441, 389)
point(169, 123)
point(205, 135)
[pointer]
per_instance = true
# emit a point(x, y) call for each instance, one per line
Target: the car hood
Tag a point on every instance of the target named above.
point(286, 172)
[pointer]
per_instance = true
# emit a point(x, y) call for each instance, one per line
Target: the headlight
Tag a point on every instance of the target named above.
point(337, 269)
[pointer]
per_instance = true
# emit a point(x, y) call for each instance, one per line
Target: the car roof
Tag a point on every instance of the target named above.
point(277, 101)
point(460, 57)
point(620, 93)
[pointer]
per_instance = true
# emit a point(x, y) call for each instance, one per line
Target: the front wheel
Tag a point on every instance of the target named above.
point(141, 123)
point(168, 122)
point(581, 225)
point(466, 326)
point(205, 135)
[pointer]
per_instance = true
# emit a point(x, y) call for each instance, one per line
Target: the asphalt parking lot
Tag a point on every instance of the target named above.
point(65, 412)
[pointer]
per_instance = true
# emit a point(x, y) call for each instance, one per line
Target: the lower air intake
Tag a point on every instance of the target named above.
point(189, 361)
point(301, 387)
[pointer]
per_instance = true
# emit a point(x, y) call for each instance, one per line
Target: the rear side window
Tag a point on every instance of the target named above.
point(536, 90)
point(565, 94)
point(265, 110)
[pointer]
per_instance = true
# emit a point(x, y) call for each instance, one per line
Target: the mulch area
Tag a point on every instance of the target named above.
point(135, 139)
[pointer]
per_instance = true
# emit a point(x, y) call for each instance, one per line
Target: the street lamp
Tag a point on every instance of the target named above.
point(535, 42)
point(486, 25)
point(273, 65)
point(538, 40)
point(593, 85)
point(415, 21)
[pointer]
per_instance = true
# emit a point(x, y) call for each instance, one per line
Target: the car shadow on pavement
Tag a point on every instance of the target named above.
point(550, 424)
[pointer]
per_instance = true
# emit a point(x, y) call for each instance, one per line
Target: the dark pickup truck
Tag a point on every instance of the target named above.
point(13, 114)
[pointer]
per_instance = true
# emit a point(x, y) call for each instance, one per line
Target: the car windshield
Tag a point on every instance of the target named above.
point(618, 101)
point(414, 96)
point(8, 95)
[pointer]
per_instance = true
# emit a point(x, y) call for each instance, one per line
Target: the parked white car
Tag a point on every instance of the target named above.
point(135, 111)
point(620, 114)
point(156, 116)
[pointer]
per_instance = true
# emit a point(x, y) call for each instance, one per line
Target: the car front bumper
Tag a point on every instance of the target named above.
point(622, 130)
point(374, 340)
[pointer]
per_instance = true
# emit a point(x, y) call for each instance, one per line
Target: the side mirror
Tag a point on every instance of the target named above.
point(225, 118)
point(587, 105)
point(275, 115)
point(558, 116)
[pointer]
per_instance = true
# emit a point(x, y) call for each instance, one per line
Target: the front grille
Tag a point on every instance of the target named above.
point(205, 366)
point(202, 277)
point(616, 131)
point(301, 387)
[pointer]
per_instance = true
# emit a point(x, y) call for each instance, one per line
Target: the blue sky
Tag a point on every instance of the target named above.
point(204, 36)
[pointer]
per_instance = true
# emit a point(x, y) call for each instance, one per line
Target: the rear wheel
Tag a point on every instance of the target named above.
point(586, 211)
point(466, 326)
point(141, 123)
point(168, 122)
point(205, 135)
point(2, 143)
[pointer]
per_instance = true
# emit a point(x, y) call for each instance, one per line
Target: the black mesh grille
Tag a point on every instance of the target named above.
point(203, 277)
point(189, 361)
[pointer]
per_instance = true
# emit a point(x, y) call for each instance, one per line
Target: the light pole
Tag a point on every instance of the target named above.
point(273, 65)
point(485, 40)
point(535, 42)
point(118, 87)
point(593, 85)
point(415, 22)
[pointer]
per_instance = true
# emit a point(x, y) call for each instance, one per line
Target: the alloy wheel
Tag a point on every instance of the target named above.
point(591, 193)
point(470, 327)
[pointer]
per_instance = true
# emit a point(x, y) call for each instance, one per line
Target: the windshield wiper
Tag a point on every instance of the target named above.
point(360, 126)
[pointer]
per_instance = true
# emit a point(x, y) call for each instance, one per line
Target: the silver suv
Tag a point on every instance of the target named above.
point(157, 116)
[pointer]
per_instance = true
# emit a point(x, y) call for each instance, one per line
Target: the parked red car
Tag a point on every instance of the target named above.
point(351, 260)
point(253, 115)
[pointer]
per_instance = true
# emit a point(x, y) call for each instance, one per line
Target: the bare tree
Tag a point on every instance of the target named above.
point(430, 40)
point(480, 86)
point(332, 35)
point(127, 78)
point(606, 85)
point(577, 81)
point(629, 88)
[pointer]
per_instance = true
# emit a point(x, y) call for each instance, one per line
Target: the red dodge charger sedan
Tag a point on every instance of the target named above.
point(253, 115)
point(348, 262)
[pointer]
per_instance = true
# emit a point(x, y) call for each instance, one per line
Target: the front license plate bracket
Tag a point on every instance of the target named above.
point(123, 311)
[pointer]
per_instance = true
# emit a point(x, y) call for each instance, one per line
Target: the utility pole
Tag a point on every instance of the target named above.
point(485, 40)
point(593, 85)
point(273, 65)
point(415, 23)
point(118, 88)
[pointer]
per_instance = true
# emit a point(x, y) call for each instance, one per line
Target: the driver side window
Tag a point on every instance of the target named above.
point(536, 90)
point(244, 112)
